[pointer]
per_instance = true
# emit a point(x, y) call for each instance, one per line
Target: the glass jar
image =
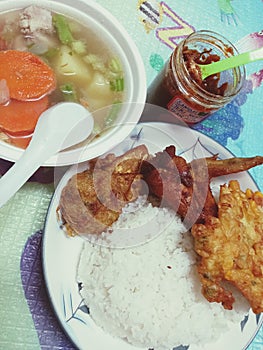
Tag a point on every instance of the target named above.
point(181, 90)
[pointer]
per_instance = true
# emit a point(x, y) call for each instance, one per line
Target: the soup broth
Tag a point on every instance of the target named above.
point(86, 70)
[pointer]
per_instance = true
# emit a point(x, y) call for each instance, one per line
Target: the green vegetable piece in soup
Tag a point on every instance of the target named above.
point(69, 92)
point(113, 114)
point(117, 84)
point(79, 47)
point(62, 28)
point(115, 65)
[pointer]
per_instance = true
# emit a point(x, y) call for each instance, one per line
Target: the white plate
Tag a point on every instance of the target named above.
point(61, 253)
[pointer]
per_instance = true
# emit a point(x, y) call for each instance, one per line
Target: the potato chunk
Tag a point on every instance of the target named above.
point(71, 64)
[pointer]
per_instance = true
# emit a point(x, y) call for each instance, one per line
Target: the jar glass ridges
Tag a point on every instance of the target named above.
point(178, 89)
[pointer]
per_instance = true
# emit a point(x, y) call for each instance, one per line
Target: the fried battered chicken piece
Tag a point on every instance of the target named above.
point(92, 200)
point(230, 247)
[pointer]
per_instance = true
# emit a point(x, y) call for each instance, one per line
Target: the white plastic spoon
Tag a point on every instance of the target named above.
point(59, 127)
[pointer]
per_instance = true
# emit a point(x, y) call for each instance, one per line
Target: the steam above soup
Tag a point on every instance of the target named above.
point(86, 71)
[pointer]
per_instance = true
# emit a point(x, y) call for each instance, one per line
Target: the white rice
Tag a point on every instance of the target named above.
point(150, 294)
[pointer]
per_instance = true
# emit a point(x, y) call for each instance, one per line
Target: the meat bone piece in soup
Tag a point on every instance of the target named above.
point(85, 69)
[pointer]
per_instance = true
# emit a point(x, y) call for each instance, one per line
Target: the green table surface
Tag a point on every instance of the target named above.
point(26, 319)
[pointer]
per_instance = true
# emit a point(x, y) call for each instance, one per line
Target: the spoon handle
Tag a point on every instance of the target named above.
point(20, 172)
point(231, 62)
point(59, 127)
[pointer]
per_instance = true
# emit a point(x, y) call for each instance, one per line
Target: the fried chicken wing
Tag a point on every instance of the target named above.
point(230, 247)
point(185, 187)
point(179, 185)
point(218, 167)
point(92, 200)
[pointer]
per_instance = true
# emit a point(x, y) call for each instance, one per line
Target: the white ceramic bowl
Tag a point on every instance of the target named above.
point(108, 28)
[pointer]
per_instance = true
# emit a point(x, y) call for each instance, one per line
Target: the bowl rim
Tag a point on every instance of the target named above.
point(89, 10)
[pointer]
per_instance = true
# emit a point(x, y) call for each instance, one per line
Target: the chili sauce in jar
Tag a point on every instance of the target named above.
point(179, 86)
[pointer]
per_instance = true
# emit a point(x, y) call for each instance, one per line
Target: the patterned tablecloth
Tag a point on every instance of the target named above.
point(26, 317)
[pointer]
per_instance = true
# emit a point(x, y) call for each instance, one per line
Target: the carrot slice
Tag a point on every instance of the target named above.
point(27, 76)
point(20, 141)
point(20, 117)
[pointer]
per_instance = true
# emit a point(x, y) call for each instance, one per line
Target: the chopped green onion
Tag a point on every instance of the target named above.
point(115, 65)
point(63, 29)
point(113, 113)
point(96, 62)
point(96, 129)
point(79, 47)
point(117, 84)
point(69, 93)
